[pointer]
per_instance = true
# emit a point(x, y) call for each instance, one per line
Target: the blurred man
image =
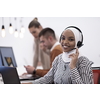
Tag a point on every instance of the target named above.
point(47, 41)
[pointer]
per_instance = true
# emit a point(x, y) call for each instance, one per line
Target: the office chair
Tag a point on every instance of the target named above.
point(96, 76)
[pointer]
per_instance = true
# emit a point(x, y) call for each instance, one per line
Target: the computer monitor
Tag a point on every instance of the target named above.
point(0, 60)
point(7, 57)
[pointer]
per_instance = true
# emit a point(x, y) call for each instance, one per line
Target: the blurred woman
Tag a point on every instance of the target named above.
point(39, 55)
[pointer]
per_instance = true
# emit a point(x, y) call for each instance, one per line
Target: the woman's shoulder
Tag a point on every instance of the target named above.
point(84, 60)
point(81, 58)
point(58, 58)
point(57, 61)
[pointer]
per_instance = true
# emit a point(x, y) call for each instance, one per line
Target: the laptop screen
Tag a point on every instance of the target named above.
point(7, 57)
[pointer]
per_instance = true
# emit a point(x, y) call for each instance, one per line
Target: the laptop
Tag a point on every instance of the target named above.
point(10, 75)
point(7, 58)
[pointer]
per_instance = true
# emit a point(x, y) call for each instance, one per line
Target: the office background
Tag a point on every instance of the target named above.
point(59, 8)
point(23, 47)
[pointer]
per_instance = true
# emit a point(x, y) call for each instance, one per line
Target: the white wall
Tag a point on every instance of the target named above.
point(23, 48)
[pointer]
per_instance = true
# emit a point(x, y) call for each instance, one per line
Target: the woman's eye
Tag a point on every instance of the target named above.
point(71, 39)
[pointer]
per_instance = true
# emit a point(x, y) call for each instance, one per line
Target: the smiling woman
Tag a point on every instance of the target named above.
point(67, 40)
point(69, 67)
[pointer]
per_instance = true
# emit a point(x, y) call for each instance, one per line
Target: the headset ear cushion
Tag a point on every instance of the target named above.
point(79, 44)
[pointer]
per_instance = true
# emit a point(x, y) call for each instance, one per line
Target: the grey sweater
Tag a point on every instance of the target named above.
point(60, 73)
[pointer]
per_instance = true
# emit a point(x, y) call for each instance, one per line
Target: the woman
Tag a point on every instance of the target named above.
point(70, 67)
point(39, 55)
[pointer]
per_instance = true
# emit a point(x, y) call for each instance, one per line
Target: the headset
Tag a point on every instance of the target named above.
point(79, 44)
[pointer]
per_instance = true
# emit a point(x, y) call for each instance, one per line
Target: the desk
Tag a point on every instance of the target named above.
point(1, 81)
point(26, 81)
point(21, 81)
point(20, 71)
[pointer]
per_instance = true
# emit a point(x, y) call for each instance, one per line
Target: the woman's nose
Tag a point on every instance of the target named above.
point(66, 41)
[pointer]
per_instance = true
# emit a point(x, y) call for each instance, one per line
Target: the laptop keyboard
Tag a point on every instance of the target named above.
point(28, 77)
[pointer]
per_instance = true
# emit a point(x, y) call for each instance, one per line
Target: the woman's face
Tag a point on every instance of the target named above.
point(35, 31)
point(67, 40)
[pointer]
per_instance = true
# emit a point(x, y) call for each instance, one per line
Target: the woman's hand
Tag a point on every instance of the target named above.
point(74, 58)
